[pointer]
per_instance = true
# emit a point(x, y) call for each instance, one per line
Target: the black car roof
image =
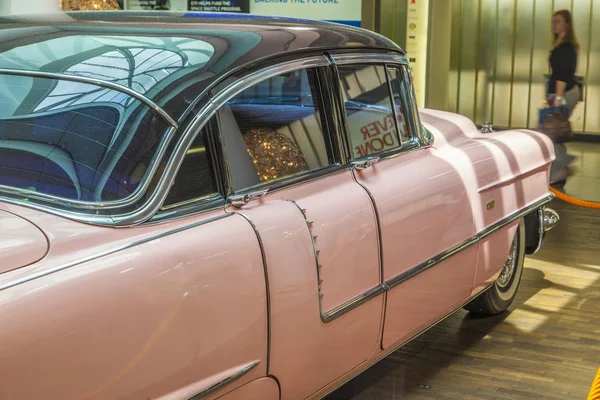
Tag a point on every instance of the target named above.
point(169, 57)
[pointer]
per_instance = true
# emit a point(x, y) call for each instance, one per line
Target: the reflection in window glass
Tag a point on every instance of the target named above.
point(368, 109)
point(399, 92)
point(195, 178)
point(273, 130)
point(87, 152)
point(140, 63)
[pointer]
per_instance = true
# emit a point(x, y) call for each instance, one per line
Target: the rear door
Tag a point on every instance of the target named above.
point(315, 223)
point(422, 205)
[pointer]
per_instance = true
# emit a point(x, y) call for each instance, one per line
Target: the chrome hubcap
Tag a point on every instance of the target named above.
point(509, 266)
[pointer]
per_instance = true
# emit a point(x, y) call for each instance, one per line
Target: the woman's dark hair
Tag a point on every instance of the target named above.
point(570, 35)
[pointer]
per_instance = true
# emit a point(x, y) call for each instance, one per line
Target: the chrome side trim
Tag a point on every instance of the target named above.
point(224, 382)
point(50, 271)
point(346, 306)
point(369, 363)
point(352, 304)
point(267, 286)
point(414, 271)
point(475, 239)
point(509, 219)
point(95, 82)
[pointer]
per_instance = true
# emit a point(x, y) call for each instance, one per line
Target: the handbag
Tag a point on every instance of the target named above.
point(554, 123)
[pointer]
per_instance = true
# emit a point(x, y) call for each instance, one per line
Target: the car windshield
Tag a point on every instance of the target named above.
point(73, 140)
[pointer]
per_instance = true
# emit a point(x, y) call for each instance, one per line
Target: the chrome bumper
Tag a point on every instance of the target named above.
point(547, 219)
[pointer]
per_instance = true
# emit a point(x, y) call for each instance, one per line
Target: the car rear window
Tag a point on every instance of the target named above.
point(74, 140)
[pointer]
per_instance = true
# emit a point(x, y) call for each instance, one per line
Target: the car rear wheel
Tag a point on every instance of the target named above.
point(501, 294)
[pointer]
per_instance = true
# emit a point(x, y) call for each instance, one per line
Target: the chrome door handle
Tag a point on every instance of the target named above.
point(364, 164)
point(238, 200)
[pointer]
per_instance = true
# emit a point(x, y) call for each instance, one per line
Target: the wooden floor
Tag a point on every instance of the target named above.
point(547, 346)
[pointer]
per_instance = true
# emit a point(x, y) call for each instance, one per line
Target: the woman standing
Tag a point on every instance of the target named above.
point(562, 88)
point(563, 62)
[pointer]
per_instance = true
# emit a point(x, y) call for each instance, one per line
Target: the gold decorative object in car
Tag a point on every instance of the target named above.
point(274, 154)
point(89, 5)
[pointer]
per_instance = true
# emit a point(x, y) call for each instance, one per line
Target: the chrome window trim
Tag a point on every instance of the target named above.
point(290, 181)
point(148, 209)
point(58, 268)
point(418, 132)
point(95, 82)
point(207, 197)
point(191, 209)
point(327, 59)
point(224, 382)
point(391, 94)
point(212, 106)
point(367, 58)
point(425, 137)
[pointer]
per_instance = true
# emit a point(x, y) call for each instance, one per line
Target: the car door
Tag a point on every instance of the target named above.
point(315, 224)
point(422, 205)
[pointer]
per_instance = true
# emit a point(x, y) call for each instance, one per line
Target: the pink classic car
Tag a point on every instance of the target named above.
point(202, 206)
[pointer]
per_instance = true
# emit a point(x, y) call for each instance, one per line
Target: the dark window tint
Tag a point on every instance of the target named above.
point(369, 111)
point(195, 178)
point(273, 130)
point(88, 148)
point(401, 99)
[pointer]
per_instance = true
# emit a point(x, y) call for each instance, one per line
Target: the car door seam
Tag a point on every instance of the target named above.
point(267, 287)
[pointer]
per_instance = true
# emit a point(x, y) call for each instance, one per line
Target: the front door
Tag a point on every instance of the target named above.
point(422, 205)
point(317, 229)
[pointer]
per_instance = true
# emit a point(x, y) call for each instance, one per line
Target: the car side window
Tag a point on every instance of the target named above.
point(369, 109)
point(273, 130)
point(401, 100)
point(195, 178)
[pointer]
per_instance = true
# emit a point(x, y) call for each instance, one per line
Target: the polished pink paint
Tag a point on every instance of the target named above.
point(306, 353)
point(169, 310)
point(260, 389)
point(162, 318)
